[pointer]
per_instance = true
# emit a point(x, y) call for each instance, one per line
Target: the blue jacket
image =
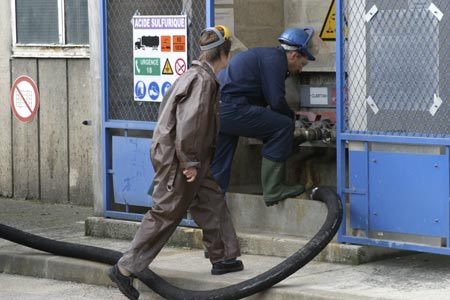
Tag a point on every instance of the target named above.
point(257, 76)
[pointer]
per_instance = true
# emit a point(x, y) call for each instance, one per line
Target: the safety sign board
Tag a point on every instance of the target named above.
point(328, 32)
point(24, 99)
point(160, 54)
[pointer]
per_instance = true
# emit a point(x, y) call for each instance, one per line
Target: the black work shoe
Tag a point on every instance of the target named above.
point(124, 283)
point(206, 253)
point(227, 266)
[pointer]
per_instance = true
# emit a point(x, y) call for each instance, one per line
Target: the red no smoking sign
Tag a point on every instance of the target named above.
point(24, 98)
point(180, 66)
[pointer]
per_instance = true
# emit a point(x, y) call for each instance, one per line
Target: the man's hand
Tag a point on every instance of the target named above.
point(190, 173)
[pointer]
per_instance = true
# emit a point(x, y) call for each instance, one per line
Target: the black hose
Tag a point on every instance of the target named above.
point(237, 291)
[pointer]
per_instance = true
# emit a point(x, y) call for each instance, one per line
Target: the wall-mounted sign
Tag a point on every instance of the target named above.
point(159, 56)
point(24, 99)
point(328, 32)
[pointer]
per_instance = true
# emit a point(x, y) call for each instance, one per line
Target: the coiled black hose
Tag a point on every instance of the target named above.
point(236, 291)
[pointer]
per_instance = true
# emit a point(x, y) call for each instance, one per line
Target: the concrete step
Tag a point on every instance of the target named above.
point(276, 231)
point(298, 217)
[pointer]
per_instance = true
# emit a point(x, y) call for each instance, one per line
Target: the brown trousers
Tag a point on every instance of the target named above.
point(208, 208)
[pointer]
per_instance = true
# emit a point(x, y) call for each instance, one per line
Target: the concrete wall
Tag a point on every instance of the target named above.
point(96, 107)
point(258, 22)
point(5, 115)
point(50, 157)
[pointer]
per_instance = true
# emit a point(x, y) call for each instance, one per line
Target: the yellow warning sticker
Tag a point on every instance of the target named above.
point(328, 32)
point(167, 70)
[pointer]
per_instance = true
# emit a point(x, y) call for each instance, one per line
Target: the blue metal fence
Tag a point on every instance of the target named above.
point(393, 137)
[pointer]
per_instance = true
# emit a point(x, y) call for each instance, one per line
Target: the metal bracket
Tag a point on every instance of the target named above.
point(437, 102)
point(371, 13)
point(436, 11)
point(136, 13)
point(372, 105)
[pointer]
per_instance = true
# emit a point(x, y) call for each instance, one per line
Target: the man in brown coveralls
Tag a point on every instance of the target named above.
point(181, 153)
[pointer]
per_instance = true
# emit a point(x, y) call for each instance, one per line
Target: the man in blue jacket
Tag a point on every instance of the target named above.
point(253, 104)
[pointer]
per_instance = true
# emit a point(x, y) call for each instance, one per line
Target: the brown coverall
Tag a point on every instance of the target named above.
point(184, 137)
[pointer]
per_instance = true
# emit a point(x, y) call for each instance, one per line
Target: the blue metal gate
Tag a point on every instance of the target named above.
point(393, 131)
point(128, 124)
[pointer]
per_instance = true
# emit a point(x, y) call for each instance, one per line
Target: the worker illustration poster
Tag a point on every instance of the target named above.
point(159, 55)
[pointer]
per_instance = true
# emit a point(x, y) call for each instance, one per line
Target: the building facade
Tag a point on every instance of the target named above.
point(56, 156)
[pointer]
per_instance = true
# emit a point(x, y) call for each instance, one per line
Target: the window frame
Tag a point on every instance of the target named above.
point(61, 50)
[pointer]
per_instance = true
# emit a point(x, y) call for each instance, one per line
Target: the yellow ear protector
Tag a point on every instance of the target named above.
point(222, 38)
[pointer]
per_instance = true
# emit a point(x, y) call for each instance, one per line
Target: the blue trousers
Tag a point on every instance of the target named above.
point(274, 129)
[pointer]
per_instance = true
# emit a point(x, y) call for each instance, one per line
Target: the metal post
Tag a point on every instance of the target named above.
point(340, 83)
point(210, 13)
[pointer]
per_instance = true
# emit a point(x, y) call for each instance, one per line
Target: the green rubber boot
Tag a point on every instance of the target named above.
point(272, 178)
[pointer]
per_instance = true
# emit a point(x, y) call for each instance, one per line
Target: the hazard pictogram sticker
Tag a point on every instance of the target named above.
point(179, 43)
point(180, 66)
point(24, 98)
point(167, 70)
point(166, 45)
point(328, 32)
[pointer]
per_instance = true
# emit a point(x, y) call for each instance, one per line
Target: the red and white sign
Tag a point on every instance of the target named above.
point(24, 98)
point(180, 66)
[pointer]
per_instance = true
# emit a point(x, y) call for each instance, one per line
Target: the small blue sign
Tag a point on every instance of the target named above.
point(140, 89)
point(153, 90)
point(165, 86)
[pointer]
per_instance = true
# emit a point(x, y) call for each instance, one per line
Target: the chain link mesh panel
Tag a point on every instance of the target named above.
point(121, 104)
point(397, 67)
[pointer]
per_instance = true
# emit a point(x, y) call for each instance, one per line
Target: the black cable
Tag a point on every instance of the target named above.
point(237, 291)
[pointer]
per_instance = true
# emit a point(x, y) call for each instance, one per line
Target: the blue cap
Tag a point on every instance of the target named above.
point(297, 39)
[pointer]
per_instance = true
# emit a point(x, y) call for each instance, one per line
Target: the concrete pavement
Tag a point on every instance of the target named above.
point(413, 277)
point(16, 287)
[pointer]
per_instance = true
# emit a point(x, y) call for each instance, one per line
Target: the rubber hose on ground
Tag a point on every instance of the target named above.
point(237, 291)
